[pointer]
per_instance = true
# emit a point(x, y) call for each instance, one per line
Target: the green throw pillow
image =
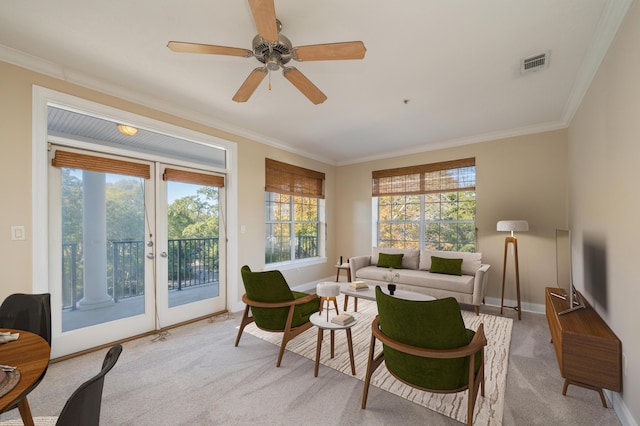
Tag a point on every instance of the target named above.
point(386, 260)
point(441, 265)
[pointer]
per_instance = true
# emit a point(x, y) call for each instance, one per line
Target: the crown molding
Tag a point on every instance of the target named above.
point(51, 69)
point(608, 27)
point(451, 143)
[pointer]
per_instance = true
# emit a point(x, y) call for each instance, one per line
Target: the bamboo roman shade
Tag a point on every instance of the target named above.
point(285, 178)
point(92, 163)
point(176, 175)
point(446, 176)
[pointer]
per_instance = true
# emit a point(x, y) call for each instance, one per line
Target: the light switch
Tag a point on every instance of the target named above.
point(243, 229)
point(18, 233)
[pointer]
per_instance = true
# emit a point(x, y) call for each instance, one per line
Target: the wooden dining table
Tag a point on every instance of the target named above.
point(30, 355)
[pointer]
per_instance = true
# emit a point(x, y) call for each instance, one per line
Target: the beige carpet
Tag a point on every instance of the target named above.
point(488, 410)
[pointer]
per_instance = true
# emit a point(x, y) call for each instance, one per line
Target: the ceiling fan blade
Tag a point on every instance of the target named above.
point(304, 85)
point(183, 47)
point(330, 51)
point(250, 85)
point(264, 15)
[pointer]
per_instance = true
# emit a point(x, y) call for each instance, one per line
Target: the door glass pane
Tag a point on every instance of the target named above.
point(193, 243)
point(103, 229)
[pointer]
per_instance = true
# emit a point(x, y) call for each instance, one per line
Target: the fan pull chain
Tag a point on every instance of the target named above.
point(269, 81)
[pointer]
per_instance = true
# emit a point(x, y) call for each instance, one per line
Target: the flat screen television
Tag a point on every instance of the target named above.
point(564, 275)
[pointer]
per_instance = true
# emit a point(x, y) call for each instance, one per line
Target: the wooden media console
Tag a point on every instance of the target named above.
point(589, 354)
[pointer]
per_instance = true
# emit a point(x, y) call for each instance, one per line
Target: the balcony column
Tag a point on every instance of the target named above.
point(94, 242)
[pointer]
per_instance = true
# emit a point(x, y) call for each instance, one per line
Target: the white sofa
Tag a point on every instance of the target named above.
point(468, 288)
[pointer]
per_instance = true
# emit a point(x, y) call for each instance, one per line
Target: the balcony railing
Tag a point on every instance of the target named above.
point(191, 262)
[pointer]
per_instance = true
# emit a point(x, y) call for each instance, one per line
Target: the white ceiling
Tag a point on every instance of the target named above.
point(436, 73)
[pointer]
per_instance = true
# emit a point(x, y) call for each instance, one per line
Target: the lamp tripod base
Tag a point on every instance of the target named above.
point(517, 308)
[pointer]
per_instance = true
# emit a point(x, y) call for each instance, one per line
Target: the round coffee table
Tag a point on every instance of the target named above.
point(370, 294)
point(322, 324)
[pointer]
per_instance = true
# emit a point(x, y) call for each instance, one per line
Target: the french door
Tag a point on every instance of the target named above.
point(136, 246)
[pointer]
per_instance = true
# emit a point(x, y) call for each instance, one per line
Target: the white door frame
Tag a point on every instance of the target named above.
point(168, 316)
point(41, 99)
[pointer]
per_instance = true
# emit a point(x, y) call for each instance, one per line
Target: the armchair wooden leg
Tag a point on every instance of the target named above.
point(372, 365)
point(281, 352)
point(476, 381)
point(288, 334)
point(246, 320)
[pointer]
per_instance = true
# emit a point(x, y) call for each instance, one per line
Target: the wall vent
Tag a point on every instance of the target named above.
point(535, 63)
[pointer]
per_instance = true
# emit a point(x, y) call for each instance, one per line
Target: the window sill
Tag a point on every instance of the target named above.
point(283, 266)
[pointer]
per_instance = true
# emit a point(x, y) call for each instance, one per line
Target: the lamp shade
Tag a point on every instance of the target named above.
point(513, 225)
point(328, 289)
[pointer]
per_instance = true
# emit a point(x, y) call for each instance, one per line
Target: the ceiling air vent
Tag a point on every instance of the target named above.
point(534, 63)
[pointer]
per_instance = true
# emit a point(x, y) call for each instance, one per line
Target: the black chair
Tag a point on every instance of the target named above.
point(83, 406)
point(28, 312)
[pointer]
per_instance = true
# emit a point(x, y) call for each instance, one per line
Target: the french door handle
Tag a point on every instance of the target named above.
point(150, 256)
point(164, 254)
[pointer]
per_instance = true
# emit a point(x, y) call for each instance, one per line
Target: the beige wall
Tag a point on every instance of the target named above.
point(604, 149)
point(251, 214)
point(16, 175)
point(517, 178)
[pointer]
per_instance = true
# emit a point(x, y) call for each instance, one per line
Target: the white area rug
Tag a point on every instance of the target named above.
point(488, 410)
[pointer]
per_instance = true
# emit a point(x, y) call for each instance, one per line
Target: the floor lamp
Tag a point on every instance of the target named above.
point(512, 225)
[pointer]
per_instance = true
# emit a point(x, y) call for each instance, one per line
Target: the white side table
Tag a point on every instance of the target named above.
point(322, 324)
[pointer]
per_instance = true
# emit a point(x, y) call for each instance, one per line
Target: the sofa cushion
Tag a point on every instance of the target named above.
point(471, 262)
point(423, 279)
point(410, 258)
point(387, 260)
point(441, 265)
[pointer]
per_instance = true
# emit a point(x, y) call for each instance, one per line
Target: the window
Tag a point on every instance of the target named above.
point(294, 206)
point(429, 206)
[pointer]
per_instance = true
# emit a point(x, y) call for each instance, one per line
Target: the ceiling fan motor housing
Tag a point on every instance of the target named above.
point(273, 55)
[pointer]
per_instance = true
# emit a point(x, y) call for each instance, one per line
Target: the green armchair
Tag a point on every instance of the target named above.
point(426, 346)
point(275, 307)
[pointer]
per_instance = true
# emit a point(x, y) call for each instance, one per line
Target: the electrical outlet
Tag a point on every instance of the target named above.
point(624, 365)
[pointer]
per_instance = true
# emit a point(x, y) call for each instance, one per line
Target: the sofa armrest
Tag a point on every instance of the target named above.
point(358, 262)
point(480, 284)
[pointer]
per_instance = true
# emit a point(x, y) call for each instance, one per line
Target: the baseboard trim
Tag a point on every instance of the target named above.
point(526, 307)
point(625, 417)
point(311, 286)
point(489, 301)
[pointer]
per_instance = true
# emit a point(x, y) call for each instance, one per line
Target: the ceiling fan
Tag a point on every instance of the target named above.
point(275, 50)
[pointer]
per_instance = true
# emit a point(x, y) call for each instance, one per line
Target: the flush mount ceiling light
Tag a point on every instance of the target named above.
point(127, 130)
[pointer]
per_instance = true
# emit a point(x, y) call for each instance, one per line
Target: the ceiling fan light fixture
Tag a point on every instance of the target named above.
point(273, 62)
point(127, 130)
